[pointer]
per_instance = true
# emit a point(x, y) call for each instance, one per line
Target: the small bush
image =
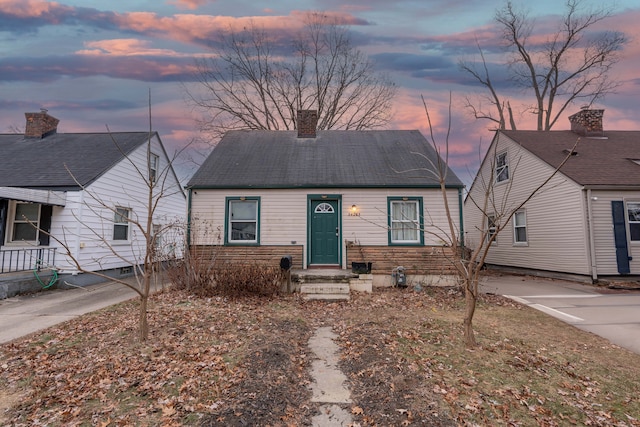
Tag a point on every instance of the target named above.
point(229, 279)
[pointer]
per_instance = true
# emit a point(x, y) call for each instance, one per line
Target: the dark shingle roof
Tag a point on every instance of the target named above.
point(279, 159)
point(43, 163)
point(604, 161)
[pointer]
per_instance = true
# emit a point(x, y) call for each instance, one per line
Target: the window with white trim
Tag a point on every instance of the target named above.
point(491, 227)
point(242, 224)
point(405, 221)
point(502, 167)
point(121, 224)
point(24, 222)
point(154, 161)
point(520, 227)
point(633, 217)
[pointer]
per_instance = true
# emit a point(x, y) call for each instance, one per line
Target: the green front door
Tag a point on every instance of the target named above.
point(325, 232)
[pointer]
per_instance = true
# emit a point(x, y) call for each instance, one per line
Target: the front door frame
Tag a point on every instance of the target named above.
point(321, 198)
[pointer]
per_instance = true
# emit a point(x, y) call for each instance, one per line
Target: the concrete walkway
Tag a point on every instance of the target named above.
point(328, 385)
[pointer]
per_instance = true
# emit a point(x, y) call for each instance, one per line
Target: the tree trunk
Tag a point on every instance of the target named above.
point(143, 324)
point(470, 296)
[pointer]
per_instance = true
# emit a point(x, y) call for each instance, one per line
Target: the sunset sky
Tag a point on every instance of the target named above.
point(92, 63)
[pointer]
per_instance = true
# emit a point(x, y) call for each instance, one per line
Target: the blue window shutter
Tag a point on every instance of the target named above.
point(620, 234)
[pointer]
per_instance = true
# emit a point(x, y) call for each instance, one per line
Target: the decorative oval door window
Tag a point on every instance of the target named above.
point(324, 208)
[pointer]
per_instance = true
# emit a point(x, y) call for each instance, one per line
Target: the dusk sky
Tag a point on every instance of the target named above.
point(92, 63)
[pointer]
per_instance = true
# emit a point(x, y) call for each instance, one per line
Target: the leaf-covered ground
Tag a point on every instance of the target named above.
point(214, 362)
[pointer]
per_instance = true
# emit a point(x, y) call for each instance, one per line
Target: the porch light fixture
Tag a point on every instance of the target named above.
point(354, 211)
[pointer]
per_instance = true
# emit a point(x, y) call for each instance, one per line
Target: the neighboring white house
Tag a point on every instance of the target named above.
point(84, 189)
point(328, 198)
point(585, 221)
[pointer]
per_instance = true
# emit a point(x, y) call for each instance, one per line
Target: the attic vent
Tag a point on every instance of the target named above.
point(567, 152)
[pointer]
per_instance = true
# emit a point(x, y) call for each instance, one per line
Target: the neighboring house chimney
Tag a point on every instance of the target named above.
point(587, 122)
point(40, 125)
point(307, 123)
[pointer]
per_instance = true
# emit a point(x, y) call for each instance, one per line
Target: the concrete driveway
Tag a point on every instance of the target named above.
point(612, 314)
point(22, 315)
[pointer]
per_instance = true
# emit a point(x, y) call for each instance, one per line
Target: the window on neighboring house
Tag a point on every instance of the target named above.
point(242, 220)
point(502, 167)
point(633, 215)
point(154, 161)
point(520, 227)
point(491, 227)
point(405, 221)
point(121, 224)
point(25, 221)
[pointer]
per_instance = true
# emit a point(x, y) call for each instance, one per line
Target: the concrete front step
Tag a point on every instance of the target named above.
point(325, 291)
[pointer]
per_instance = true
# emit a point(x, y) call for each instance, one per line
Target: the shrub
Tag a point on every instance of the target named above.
point(206, 278)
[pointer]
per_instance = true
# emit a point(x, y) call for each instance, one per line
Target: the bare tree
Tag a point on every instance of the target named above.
point(247, 84)
point(156, 236)
point(469, 261)
point(571, 65)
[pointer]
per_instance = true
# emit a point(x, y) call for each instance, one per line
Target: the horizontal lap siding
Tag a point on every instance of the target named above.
point(556, 216)
point(283, 215)
point(267, 255)
point(88, 217)
point(415, 259)
point(603, 232)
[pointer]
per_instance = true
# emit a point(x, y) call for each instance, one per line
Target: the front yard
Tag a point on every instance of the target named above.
point(214, 362)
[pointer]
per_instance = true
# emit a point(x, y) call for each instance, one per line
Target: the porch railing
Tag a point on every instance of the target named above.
point(14, 260)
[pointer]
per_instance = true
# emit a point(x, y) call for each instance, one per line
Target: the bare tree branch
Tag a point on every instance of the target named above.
point(246, 85)
point(572, 65)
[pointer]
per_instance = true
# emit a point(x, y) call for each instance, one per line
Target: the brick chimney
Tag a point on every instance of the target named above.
point(307, 123)
point(40, 125)
point(587, 122)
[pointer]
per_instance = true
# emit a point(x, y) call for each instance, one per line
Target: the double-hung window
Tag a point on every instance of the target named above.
point(633, 216)
point(491, 228)
point(25, 222)
point(520, 228)
point(502, 167)
point(121, 224)
point(242, 220)
point(405, 221)
point(154, 161)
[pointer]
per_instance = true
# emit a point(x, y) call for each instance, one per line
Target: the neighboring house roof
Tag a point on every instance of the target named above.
point(608, 160)
point(334, 158)
point(50, 162)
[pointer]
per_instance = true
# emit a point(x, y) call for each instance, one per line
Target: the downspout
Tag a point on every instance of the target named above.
point(592, 244)
point(78, 243)
point(460, 205)
point(189, 220)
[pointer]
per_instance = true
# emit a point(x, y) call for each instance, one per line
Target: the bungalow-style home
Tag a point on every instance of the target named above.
point(84, 190)
point(328, 198)
point(585, 221)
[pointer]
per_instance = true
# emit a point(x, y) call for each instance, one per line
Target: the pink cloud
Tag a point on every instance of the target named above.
point(31, 8)
point(124, 47)
point(188, 4)
point(191, 28)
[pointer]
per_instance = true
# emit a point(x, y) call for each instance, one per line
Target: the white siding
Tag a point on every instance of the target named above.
point(556, 216)
point(283, 215)
point(86, 219)
point(603, 232)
